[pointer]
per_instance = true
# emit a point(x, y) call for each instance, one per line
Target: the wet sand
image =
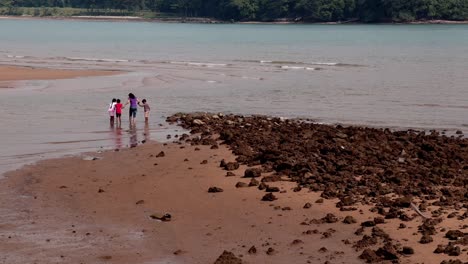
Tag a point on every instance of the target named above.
point(8, 74)
point(78, 210)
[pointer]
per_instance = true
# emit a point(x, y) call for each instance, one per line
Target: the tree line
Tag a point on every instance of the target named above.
point(273, 10)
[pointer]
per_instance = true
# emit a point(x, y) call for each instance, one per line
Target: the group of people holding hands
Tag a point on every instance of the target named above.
point(115, 109)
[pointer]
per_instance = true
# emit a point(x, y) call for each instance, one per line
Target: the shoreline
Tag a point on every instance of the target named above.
point(203, 20)
point(108, 202)
point(10, 74)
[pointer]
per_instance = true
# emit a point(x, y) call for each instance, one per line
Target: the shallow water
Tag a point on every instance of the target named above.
point(398, 76)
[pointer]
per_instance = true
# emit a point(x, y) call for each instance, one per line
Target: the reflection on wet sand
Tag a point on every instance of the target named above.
point(117, 134)
point(146, 132)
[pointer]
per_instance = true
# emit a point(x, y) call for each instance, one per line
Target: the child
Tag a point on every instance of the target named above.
point(111, 111)
point(118, 112)
point(133, 101)
point(147, 109)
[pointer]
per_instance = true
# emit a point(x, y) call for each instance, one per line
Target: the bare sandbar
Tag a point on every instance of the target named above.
point(18, 73)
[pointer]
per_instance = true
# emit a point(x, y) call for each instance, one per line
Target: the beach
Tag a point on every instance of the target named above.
point(339, 144)
point(188, 201)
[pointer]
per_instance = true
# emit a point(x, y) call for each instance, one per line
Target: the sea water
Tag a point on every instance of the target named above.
point(397, 76)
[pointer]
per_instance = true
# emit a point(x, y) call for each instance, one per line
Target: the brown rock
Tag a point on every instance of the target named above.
point(161, 154)
point(272, 189)
point(252, 250)
point(230, 174)
point(262, 186)
point(307, 205)
point(228, 258)
point(297, 242)
point(269, 197)
point(204, 162)
point(215, 190)
point(270, 251)
point(253, 182)
point(426, 239)
point(349, 220)
point(253, 173)
point(330, 218)
point(454, 234)
point(241, 185)
point(408, 251)
point(370, 256)
point(368, 223)
point(230, 166)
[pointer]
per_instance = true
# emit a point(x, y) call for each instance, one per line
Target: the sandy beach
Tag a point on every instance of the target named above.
point(106, 208)
point(9, 74)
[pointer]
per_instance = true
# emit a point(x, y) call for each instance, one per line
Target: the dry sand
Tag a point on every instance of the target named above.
point(8, 74)
point(72, 210)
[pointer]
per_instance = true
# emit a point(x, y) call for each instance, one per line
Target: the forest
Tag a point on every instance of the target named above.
point(367, 11)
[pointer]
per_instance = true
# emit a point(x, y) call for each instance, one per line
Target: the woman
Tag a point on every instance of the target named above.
point(134, 102)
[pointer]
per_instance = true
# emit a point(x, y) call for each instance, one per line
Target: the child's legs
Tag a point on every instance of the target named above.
point(146, 116)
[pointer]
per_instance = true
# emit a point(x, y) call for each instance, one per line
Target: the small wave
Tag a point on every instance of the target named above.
point(199, 64)
point(94, 59)
point(303, 63)
point(286, 67)
point(15, 56)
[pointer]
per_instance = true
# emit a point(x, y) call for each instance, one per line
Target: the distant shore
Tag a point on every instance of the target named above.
point(204, 20)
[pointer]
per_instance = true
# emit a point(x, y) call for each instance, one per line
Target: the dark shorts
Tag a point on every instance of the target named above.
point(132, 112)
point(118, 115)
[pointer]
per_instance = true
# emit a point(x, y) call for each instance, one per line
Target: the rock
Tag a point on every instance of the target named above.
point(323, 250)
point(426, 239)
point(204, 162)
point(307, 205)
point(241, 185)
point(453, 261)
point(454, 234)
point(330, 218)
point(407, 251)
point(452, 250)
point(252, 250)
point(228, 258)
point(140, 202)
point(370, 256)
point(215, 190)
point(297, 189)
point(222, 163)
point(297, 242)
point(163, 217)
point(379, 220)
point(387, 252)
point(100, 190)
point(161, 154)
point(320, 200)
point(262, 186)
point(230, 166)
point(269, 197)
point(270, 251)
point(252, 173)
point(272, 189)
point(378, 232)
point(178, 252)
point(368, 223)
point(230, 174)
point(349, 220)
point(253, 182)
